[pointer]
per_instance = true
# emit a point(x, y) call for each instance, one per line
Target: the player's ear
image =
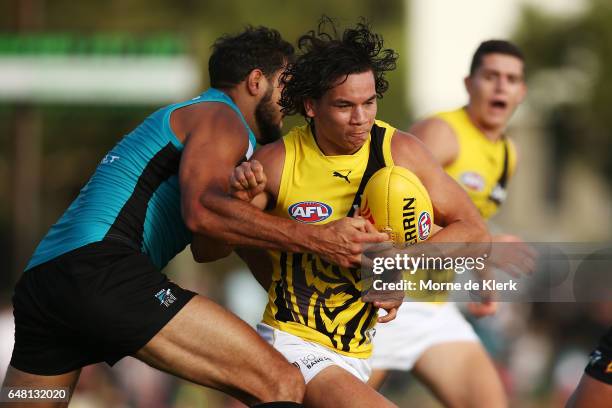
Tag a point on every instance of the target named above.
point(467, 81)
point(309, 107)
point(256, 82)
point(523, 91)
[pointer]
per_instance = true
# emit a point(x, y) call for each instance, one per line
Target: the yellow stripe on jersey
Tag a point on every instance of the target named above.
point(309, 297)
point(480, 162)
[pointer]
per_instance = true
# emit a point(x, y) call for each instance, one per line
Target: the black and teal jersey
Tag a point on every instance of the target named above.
point(134, 195)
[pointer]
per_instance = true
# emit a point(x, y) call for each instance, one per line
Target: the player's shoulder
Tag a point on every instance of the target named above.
point(272, 158)
point(433, 126)
point(405, 144)
point(439, 137)
point(297, 134)
point(213, 127)
point(271, 153)
point(412, 153)
point(208, 119)
point(217, 115)
point(294, 141)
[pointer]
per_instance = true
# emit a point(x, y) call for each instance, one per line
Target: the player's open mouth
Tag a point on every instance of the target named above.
point(498, 104)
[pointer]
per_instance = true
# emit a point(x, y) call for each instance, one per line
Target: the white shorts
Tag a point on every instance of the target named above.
point(311, 358)
point(418, 326)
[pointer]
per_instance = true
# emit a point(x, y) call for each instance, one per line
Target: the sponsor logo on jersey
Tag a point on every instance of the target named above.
point(109, 158)
point(310, 211)
point(342, 176)
point(595, 356)
point(165, 297)
point(472, 181)
point(424, 225)
point(408, 220)
point(311, 360)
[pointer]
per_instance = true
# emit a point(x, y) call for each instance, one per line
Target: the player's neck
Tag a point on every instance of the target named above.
point(491, 133)
point(244, 104)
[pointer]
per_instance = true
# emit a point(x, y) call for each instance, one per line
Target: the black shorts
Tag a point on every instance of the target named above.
point(100, 302)
point(600, 360)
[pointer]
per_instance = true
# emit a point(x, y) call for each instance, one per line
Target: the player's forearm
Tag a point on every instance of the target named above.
point(240, 224)
point(462, 231)
point(468, 238)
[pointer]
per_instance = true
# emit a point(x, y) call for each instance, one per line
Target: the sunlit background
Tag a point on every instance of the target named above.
point(75, 76)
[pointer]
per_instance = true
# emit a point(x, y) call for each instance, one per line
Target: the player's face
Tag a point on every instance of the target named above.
point(496, 89)
point(268, 115)
point(344, 115)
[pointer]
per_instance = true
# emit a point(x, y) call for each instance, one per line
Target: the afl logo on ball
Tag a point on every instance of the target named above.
point(310, 211)
point(424, 225)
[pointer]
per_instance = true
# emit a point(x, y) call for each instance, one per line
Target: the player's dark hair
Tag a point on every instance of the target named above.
point(325, 58)
point(235, 56)
point(494, 47)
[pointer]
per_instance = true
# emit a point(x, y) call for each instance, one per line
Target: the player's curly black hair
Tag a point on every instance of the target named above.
point(326, 58)
point(235, 56)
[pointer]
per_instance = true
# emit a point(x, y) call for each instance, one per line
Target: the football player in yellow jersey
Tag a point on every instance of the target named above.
point(315, 315)
point(434, 340)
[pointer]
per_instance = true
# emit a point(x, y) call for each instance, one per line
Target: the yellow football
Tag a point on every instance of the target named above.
point(396, 202)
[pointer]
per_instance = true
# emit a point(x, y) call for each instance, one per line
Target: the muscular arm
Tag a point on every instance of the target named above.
point(439, 138)
point(453, 209)
point(206, 249)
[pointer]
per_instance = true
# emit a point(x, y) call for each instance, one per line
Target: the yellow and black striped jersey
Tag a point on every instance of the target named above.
point(309, 297)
